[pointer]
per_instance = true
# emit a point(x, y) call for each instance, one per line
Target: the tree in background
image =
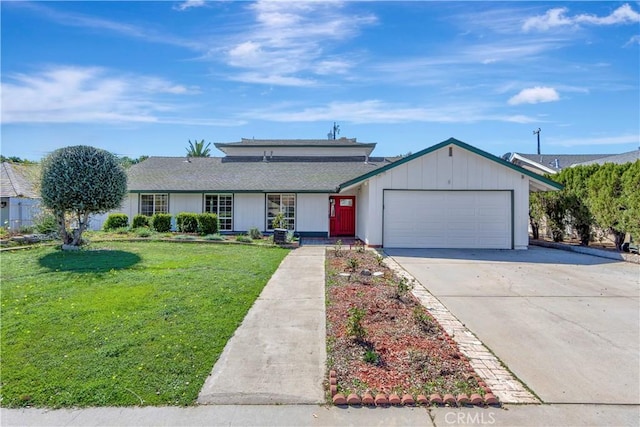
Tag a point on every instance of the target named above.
point(198, 149)
point(596, 197)
point(631, 200)
point(127, 162)
point(554, 206)
point(15, 159)
point(576, 194)
point(605, 200)
point(79, 181)
point(536, 213)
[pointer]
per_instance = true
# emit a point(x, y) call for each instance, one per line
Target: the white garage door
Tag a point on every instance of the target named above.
point(447, 219)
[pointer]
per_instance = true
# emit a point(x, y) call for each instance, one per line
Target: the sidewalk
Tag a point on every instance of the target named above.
point(314, 415)
point(218, 415)
point(277, 355)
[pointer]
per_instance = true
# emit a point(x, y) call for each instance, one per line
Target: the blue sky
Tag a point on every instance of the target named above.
point(143, 78)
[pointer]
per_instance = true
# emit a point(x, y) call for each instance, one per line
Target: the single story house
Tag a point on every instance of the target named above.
point(19, 196)
point(554, 163)
point(450, 195)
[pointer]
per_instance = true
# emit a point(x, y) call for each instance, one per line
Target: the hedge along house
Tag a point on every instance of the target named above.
point(451, 195)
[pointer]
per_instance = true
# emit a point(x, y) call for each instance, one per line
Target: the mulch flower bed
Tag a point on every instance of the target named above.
point(380, 339)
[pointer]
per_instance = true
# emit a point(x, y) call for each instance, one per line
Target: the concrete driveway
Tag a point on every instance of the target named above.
point(566, 324)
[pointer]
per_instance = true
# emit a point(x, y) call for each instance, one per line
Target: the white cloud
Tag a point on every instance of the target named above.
point(272, 79)
point(553, 18)
point(65, 94)
point(557, 17)
point(246, 54)
point(633, 40)
point(377, 111)
point(600, 140)
point(622, 15)
point(291, 42)
point(535, 95)
point(466, 63)
point(129, 30)
point(190, 4)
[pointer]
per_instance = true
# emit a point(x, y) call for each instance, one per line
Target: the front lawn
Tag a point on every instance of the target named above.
point(122, 323)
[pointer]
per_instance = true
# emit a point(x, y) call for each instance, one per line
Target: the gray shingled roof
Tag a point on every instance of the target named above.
point(563, 160)
point(19, 180)
point(628, 157)
point(210, 174)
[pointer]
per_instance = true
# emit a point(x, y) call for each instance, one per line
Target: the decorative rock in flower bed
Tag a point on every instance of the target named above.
point(381, 339)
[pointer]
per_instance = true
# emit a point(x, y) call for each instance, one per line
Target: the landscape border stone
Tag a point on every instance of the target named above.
point(393, 399)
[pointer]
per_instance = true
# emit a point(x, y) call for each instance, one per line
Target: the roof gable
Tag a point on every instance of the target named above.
point(452, 141)
point(18, 180)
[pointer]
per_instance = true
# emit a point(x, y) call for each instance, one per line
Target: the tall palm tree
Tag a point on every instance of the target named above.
point(198, 149)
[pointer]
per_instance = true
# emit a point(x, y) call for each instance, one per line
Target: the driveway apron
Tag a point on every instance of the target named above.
point(278, 354)
point(566, 324)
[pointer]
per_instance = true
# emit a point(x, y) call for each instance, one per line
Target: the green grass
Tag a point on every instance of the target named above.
point(123, 324)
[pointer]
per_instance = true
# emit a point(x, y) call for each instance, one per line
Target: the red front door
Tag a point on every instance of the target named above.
point(342, 216)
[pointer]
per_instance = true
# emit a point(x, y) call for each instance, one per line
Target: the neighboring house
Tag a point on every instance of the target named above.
point(549, 163)
point(450, 195)
point(19, 196)
point(554, 163)
point(628, 157)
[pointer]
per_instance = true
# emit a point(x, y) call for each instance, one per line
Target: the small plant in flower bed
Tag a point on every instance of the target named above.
point(381, 339)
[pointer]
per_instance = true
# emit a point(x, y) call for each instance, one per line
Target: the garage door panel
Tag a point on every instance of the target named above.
point(447, 219)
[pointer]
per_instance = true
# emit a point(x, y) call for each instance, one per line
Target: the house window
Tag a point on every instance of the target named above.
point(221, 205)
point(285, 203)
point(154, 203)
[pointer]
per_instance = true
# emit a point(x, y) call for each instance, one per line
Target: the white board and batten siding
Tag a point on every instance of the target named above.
point(185, 202)
point(248, 211)
point(312, 212)
point(461, 178)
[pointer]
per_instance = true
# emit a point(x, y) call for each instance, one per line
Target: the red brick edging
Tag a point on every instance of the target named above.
point(383, 399)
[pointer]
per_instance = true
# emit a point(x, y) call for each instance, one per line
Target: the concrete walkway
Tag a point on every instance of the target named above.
point(278, 354)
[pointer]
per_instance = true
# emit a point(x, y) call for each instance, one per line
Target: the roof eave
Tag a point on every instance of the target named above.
point(533, 163)
point(552, 185)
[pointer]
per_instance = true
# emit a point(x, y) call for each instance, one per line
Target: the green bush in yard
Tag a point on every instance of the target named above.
point(45, 222)
point(208, 223)
point(187, 222)
point(143, 232)
point(116, 220)
point(254, 233)
point(243, 239)
point(161, 222)
point(140, 221)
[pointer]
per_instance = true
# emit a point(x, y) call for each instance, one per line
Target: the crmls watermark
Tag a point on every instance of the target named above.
point(470, 418)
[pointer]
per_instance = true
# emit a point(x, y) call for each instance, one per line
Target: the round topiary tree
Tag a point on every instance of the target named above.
point(79, 181)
